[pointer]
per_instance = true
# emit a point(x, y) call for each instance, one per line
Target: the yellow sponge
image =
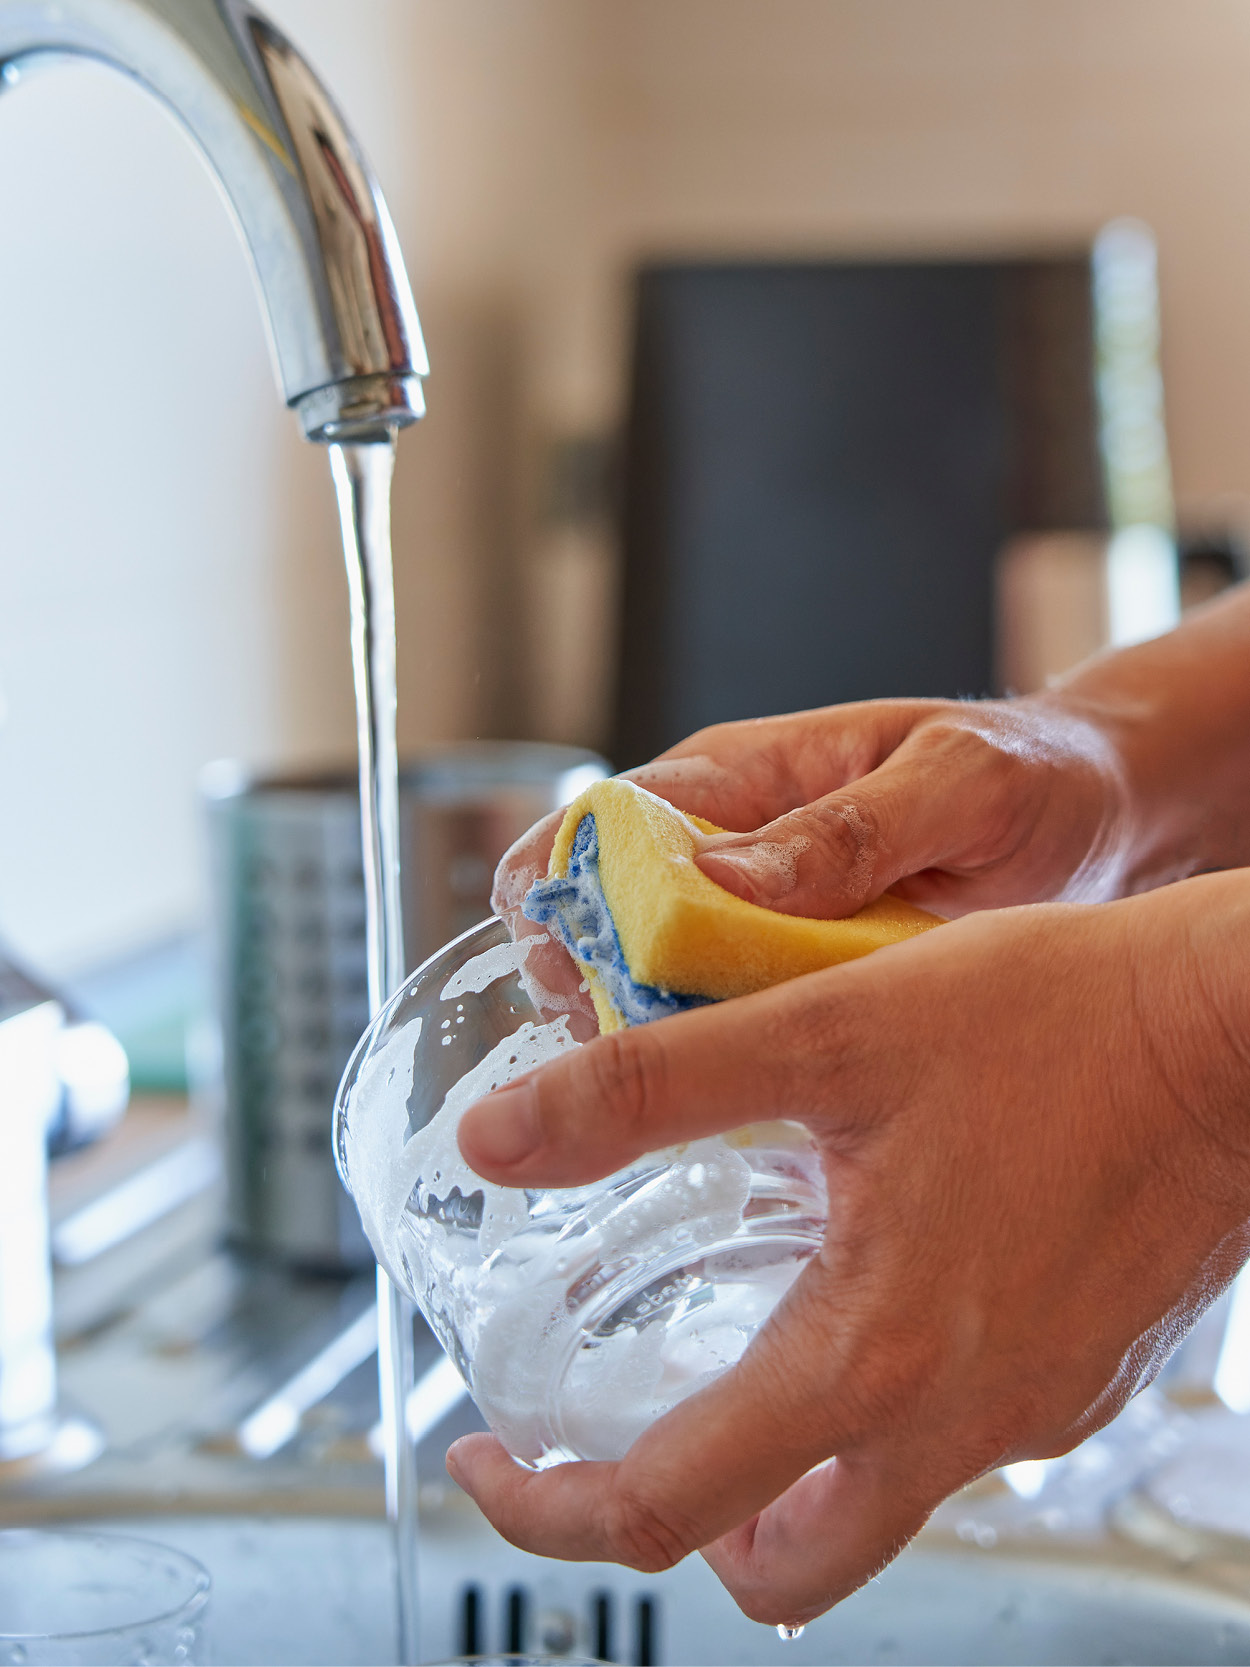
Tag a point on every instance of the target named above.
point(669, 930)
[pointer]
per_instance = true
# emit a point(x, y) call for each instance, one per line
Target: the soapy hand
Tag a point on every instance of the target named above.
point(1132, 771)
point(952, 805)
point(1038, 1162)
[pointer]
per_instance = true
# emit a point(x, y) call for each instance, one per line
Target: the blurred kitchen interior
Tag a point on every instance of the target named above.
point(172, 582)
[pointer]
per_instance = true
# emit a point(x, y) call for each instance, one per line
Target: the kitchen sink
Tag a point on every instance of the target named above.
point(307, 1589)
point(182, 1355)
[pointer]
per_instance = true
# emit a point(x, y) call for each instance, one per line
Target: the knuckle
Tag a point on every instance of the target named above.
point(968, 739)
point(627, 1072)
point(821, 1047)
point(847, 835)
point(646, 1536)
point(705, 740)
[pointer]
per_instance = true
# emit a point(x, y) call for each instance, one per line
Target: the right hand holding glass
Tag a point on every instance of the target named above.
point(1038, 1158)
point(1033, 1123)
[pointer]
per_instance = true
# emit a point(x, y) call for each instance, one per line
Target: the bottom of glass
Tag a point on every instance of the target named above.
point(657, 1334)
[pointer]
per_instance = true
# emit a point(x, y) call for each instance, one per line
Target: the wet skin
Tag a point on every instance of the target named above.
point(1034, 1122)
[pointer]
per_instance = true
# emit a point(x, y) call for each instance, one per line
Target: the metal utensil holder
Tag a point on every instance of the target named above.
point(289, 948)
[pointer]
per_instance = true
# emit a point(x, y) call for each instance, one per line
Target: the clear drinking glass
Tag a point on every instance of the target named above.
point(576, 1316)
point(73, 1598)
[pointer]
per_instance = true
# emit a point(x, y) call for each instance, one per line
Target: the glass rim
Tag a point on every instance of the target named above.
point(444, 949)
point(189, 1608)
point(378, 1023)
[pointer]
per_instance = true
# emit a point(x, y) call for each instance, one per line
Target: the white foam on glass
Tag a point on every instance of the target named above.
point(525, 1287)
point(474, 976)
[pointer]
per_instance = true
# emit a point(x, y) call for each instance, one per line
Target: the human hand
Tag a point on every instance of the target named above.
point(1034, 1133)
point(953, 805)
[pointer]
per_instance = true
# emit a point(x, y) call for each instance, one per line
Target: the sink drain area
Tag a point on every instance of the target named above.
point(308, 1591)
point(608, 1625)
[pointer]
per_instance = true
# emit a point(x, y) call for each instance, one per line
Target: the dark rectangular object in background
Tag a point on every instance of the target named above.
point(822, 463)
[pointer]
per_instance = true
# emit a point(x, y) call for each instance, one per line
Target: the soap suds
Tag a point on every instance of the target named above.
point(771, 865)
point(573, 999)
point(574, 905)
point(780, 860)
point(386, 1169)
point(861, 869)
point(524, 858)
point(380, 1182)
point(694, 776)
point(520, 1285)
point(484, 969)
point(577, 1316)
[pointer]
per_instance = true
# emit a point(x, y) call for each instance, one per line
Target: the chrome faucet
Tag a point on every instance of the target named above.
point(349, 359)
point(342, 323)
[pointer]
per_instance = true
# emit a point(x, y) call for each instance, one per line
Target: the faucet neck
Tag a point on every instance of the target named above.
point(341, 319)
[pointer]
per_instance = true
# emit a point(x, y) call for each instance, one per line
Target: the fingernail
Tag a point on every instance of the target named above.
point(767, 871)
point(734, 871)
point(452, 1463)
point(504, 1128)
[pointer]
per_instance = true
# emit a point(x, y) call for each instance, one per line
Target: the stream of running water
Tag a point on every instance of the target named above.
point(362, 480)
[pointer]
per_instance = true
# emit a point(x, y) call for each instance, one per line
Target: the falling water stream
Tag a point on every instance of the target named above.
point(362, 480)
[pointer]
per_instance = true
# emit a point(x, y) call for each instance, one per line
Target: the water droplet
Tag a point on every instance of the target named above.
point(446, 1025)
point(446, 1041)
point(788, 1634)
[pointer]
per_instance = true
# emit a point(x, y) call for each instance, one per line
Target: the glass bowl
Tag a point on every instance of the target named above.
point(577, 1316)
point(71, 1597)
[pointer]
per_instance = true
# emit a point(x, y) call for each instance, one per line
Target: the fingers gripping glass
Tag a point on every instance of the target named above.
point(576, 1316)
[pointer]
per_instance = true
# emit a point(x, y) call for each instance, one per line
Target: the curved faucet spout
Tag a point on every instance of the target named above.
point(342, 321)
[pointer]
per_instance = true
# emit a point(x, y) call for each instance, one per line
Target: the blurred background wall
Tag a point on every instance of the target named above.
point(170, 585)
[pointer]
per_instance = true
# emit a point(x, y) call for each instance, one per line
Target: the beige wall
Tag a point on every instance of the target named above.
point(169, 581)
point(588, 135)
point(938, 124)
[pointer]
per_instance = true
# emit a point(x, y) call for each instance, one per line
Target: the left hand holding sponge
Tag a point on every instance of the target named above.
point(653, 934)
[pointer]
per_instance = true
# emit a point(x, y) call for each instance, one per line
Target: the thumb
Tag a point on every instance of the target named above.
point(831, 857)
point(593, 1110)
